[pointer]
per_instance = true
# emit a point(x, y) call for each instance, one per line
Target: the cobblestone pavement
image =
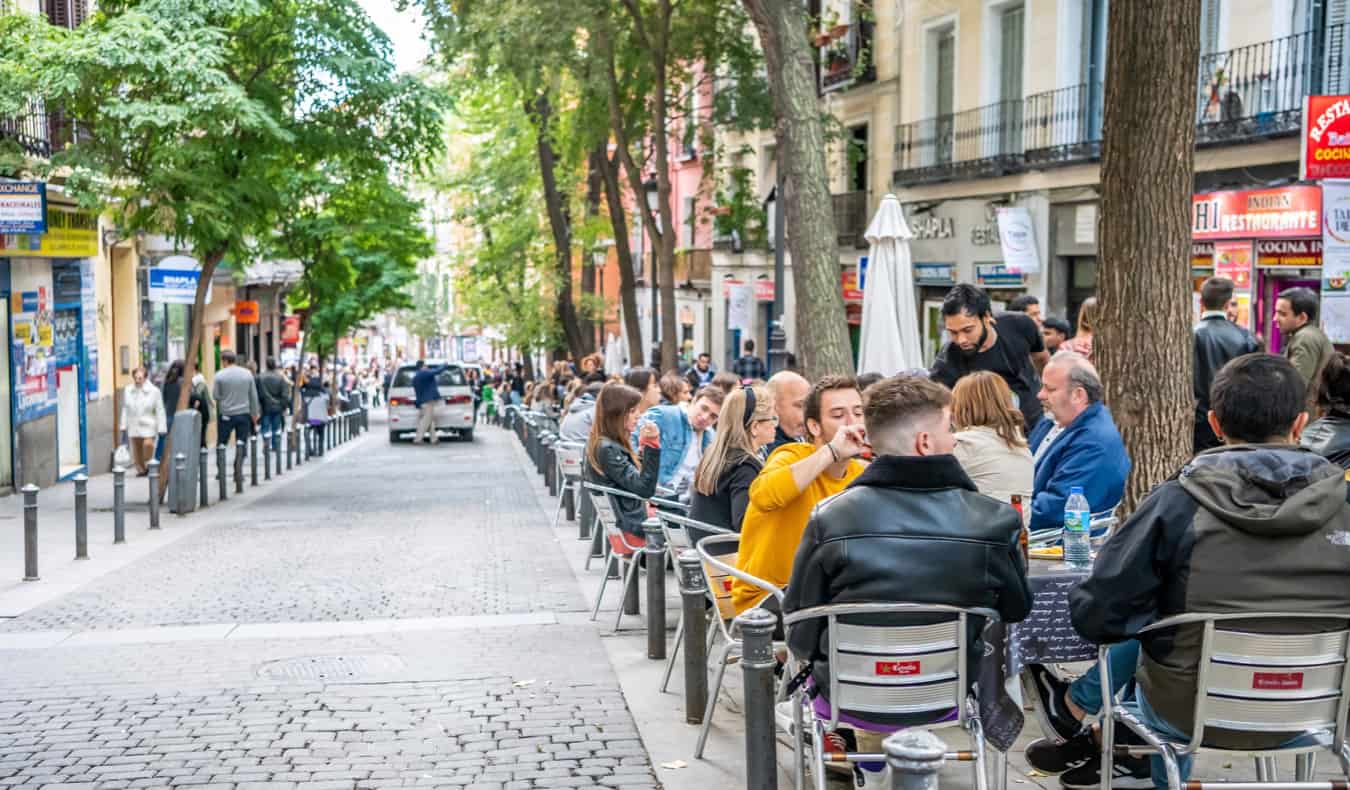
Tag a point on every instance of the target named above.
point(389, 532)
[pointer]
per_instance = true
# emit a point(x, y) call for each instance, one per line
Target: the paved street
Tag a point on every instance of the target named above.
point(398, 616)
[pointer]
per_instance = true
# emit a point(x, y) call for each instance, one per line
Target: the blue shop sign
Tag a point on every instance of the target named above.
point(23, 207)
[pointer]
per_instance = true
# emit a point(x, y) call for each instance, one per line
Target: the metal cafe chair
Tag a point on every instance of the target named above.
point(619, 544)
point(681, 533)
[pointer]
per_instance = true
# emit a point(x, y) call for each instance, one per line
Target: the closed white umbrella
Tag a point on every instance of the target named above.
point(613, 355)
point(890, 324)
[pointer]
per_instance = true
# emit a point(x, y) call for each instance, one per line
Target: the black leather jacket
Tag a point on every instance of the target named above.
point(1329, 437)
point(909, 529)
point(1217, 340)
point(620, 472)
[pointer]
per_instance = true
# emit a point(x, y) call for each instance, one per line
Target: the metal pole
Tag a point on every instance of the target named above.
point(656, 588)
point(289, 438)
point(221, 476)
point(267, 456)
point(253, 459)
point(631, 596)
point(915, 757)
point(203, 487)
point(119, 505)
point(550, 470)
point(181, 503)
point(757, 663)
point(276, 450)
point(585, 516)
point(81, 517)
point(30, 533)
point(154, 494)
point(239, 453)
point(777, 351)
point(693, 595)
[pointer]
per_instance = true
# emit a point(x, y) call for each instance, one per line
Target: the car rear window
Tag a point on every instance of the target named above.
point(452, 376)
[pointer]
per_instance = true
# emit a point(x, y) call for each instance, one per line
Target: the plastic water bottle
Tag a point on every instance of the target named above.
point(1077, 542)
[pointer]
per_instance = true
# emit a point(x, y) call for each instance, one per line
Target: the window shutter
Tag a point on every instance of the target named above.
point(1337, 80)
point(58, 12)
point(1209, 26)
point(79, 12)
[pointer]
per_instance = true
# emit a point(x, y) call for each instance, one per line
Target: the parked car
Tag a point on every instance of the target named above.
point(454, 414)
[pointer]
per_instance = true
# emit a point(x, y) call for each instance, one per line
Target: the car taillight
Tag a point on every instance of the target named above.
point(455, 399)
point(400, 402)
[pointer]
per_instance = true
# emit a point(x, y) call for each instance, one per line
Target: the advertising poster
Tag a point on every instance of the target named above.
point(740, 306)
point(23, 207)
point(1325, 152)
point(70, 233)
point(1233, 259)
point(1018, 240)
point(89, 318)
point(32, 356)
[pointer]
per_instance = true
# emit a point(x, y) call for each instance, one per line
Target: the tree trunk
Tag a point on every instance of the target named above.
point(594, 190)
point(624, 253)
point(1148, 144)
point(821, 330)
point(559, 220)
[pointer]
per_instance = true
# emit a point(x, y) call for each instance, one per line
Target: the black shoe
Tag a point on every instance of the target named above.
point(1127, 773)
point(1053, 758)
point(1052, 713)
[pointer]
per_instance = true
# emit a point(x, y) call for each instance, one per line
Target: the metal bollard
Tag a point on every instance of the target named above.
point(328, 433)
point(550, 470)
point(30, 533)
point(585, 514)
point(181, 494)
point(693, 595)
point(276, 451)
point(119, 505)
point(154, 494)
point(655, 552)
point(915, 757)
point(203, 487)
point(631, 595)
point(239, 453)
point(289, 438)
point(569, 501)
point(757, 663)
point(267, 456)
point(81, 517)
point(253, 460)
point(221, 475)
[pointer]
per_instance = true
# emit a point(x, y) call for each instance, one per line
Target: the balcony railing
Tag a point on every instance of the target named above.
point(31, 130)
point(693, 266)
point(1249, 93)
point(847, 60)
point(850, 218)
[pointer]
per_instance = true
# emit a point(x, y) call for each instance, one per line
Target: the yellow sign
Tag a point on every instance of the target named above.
point(71, 233)
point(21, 332)
point(44, 334)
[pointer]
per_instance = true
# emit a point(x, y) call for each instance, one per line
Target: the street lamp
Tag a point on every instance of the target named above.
point(777, 335)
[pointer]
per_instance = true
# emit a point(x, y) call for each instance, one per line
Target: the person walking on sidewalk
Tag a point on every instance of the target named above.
point(275, 393)
point(428, 396)
point(749, 367)
point(143, 419)
point(236, 397)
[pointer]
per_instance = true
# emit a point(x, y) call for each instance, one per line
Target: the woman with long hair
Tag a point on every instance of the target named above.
point(722, 482)
point(611, 460)
point(989, 441)
point(645, 381)
point(1081, 342)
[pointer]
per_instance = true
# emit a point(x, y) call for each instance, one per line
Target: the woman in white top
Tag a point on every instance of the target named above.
point(143, 419)
point(989, 441)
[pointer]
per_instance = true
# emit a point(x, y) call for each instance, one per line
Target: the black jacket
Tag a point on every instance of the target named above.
point(1329, 437)
point(274, 391)
point(1256, 528)
point(780, 438)
point(909, 529)
point(618, 471)
point(725, 507)
point(1217, 340)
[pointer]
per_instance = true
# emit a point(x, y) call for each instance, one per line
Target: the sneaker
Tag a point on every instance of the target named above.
point(1053, 758)
point(1054, 716)
point(1127, 773)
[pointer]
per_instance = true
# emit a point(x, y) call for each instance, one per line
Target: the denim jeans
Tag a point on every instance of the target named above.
point(238, 427)
point(1086, 692)
point(273, 422)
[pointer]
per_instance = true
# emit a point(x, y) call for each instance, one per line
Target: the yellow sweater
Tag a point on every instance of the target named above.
point(776, 518)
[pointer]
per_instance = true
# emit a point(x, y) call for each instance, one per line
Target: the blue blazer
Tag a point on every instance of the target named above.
point(1088, 453)
point(676, 433)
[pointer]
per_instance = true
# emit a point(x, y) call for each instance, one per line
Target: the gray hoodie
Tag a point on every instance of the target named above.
point(576, 424)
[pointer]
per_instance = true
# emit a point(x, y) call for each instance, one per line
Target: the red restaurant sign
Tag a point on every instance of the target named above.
point(1325, 150)
point(1281, 213)
point(1275, 252)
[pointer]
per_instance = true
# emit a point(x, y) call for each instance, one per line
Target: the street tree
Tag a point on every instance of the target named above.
point(1143, 346)
point(822, 334)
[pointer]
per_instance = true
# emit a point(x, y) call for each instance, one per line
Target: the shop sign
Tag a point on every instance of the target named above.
point(174, 281)
point(996, 275)
point(23, 207)
point(1335, 236)
point(1233, 259)
point(763, 289)
point(1325, 151)
point(852, 293)
point(1018, 238)
point(70, 234)
point(290, 331)
point(245, 312)
point(935, 274)
point(930, 227)
point(1289, 252)
point(1202, 254)
point(1281, 213)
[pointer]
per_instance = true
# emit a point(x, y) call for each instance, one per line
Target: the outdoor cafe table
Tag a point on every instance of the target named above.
point(1046, 636)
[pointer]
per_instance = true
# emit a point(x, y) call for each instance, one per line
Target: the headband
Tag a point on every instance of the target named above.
point(749, 406)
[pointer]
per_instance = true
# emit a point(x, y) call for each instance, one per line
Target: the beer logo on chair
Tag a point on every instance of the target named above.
point(897, 668)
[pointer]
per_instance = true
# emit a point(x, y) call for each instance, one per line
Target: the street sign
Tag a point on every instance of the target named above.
point(1325, 148)
point(245, 312)
point(174, 281)
point(23, 207)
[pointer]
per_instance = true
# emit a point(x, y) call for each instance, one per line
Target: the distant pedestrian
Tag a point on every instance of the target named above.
point(173, 384)
point(702, 373)
point(1305, 346)
point(427, 396)
point(1329, 435)
point(201, 400)
point(1081, 342)
point(316, 412)
point(275, 393)
point(1217, 341)
point(1054, 331)
point(236, 396)
point(749, 367)
point(142, 419)
point(1028, 305)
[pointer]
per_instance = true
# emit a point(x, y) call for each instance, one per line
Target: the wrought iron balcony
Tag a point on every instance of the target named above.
point(850, 218)
point(31, 130)
point(846, 60)
point(983, 142)
point(1063, 126)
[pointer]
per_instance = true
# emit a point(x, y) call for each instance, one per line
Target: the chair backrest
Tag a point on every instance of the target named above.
point(602, 498)
point(569, 455)
point(880, 667)
point(683, 532)
point(1251, 681)
point(719, 554)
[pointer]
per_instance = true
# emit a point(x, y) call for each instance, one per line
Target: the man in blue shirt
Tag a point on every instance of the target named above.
point(1075, 444)
point(684, 437)
point(427, 396)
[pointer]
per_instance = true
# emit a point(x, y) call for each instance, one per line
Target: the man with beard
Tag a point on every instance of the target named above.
point(1010, 345)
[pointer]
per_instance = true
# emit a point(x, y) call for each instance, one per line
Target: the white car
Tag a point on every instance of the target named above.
point(454, 410)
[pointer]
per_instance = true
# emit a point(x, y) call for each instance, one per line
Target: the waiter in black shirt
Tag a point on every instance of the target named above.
point(1009, 345)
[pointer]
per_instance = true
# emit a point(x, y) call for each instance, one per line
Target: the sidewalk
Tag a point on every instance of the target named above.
point(59, 571)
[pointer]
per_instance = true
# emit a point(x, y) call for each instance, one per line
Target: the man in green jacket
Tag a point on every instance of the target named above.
point(1306, 348)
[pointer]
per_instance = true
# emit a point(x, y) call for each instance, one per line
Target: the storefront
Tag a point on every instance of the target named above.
point(1264, 240)
point(51, 364)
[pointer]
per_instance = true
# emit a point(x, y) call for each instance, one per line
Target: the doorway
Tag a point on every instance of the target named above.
point(1269, 284)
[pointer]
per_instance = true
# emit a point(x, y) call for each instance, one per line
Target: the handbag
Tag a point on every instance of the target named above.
point(122, 456)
